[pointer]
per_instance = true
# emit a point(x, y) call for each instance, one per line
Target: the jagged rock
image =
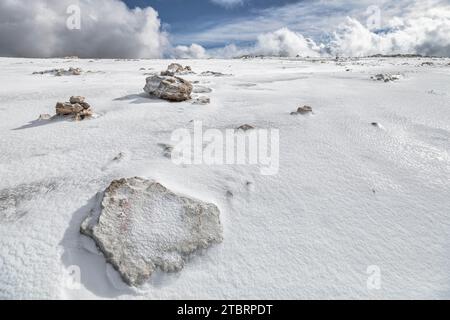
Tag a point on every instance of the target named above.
point(169, 88)
point(302, 111)
point(140, 226)
point(246, 127)
point(176, 68)
point(77, 108)
point(386, 77)
point(77, 99)
point(202, 101)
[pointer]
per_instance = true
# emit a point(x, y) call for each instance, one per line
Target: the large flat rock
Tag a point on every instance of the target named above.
point(141, 226)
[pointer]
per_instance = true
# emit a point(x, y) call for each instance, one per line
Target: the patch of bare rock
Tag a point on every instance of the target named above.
point(140, 226)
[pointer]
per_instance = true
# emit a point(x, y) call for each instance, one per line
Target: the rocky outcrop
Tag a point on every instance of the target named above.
point(140, 226)
point(176, 68)
point(76, 108)
point(169, 88)
point(61, 72)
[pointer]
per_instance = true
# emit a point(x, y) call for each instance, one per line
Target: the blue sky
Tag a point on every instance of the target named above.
point(185, 19)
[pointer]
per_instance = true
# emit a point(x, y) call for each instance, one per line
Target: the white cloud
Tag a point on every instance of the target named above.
point(194, 51)
point(108, 30)
point(406, 27)
point(423, 32)
point(285, 43)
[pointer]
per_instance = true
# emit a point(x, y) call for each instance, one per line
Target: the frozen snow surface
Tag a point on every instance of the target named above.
point(350, 197)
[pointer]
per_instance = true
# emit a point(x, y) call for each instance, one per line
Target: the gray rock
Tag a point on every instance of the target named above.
point(214, 74)
point(140, 227)
point(386, 77)
point(304, 110)
point(246, 127)
point(176, 68)
point(202, 101)
point(61, 72)
point(169, 88)
point(77, 99)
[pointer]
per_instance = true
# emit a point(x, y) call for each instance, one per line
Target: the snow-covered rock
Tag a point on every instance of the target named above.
point(169, 88)
point(201, 89)
point(140, 226)
point(176, 68)
point(61, 72)
point(214, 74)
point(202, 100)
point(386, 77)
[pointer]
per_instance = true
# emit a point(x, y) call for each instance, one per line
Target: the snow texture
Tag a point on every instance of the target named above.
point(348, 195)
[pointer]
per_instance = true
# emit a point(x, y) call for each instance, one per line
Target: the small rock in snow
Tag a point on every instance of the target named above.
point(246, 127)
point(76, 108)
point(202, 101)
point(167, 150)
point(386, 77)
point(302, 111)
point(214, 74)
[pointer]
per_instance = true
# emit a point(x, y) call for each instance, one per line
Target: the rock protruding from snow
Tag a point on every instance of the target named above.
point(176, 68)
point(302, 111)
point(62, 72)
point(246, 127)
point(214, 74)
point(141, 226)
point(169, 88)
point(386, 77)
point(76, 108)
point(202, 100)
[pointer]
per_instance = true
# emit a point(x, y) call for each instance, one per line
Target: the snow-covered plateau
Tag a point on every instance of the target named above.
point(359, 207)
